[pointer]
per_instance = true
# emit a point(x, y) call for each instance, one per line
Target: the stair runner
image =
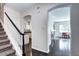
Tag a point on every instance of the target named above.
point(5, 45)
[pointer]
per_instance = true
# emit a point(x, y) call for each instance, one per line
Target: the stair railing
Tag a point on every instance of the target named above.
point(23, 49)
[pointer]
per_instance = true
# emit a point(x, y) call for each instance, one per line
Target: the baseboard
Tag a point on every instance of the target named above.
point(45, 51)
point(38, 53)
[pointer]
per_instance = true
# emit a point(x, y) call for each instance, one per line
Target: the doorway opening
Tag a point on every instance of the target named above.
point(28, 33)
point(59, 31)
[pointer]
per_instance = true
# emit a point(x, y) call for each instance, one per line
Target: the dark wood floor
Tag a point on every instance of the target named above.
point(28, 50)
point(32, 52)
point(38, 53)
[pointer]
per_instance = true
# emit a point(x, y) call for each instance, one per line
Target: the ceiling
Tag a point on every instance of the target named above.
point(21, 7)
point(61, 13)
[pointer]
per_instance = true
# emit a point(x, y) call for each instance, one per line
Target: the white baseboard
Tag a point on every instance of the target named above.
point(40, 50)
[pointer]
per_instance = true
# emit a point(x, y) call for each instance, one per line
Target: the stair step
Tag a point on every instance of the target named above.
point(1, 29)
point(3, 42)
point(3, 37)
point(2, 32)
point(5, 47)
point(0, 26)
point(13, 54)
point(10, 52)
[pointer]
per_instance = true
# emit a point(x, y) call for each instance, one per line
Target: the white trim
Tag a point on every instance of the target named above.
point(41, 50)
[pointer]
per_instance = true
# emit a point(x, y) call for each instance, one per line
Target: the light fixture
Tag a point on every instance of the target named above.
point(38, 9)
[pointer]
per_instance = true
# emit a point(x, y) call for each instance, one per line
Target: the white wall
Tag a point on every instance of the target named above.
point(39, 25)
point(12, 33)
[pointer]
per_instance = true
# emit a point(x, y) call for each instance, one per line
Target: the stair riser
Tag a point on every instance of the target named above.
point(1, 33)
point(1, 38)
point(1, 26)
point(12, 54)
point(5, 49)
point(1, 29)
point(4, 43)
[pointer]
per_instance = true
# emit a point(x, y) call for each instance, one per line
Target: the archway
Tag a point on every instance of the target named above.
point(59, 31)
point(28, 32)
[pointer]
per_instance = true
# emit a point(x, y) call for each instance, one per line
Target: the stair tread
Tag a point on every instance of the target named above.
point(7, 52)
point(2, 31)
point(4, 40)
point(3, 35)
point(5, 46)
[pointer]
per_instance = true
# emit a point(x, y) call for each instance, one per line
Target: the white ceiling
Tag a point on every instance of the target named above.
point(21, 7)
point(61, 14)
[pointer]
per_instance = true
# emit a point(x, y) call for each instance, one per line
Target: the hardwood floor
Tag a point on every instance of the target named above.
point(28, 49)
point(38, 53)
point(32, 52)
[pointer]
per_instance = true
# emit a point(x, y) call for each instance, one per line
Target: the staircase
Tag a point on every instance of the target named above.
point(5, 45)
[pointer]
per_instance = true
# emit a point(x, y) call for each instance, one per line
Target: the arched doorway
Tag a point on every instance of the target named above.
point(28, 39)
point(59, 31)
point(27, 22)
